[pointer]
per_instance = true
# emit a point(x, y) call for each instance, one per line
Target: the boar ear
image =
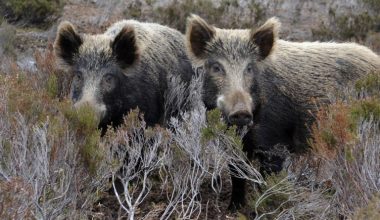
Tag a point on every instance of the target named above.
point(198, 34)
point(67, 42)
point(265, 36)
point(124, 47)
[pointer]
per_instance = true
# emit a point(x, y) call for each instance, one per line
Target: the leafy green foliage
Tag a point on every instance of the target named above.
point(369, 106)
point(366, 109)
point(85, 124)
point(216, 127)
point(52, 86)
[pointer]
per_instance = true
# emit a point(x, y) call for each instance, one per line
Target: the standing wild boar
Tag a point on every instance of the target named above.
point(268, 84)
point(126, 67)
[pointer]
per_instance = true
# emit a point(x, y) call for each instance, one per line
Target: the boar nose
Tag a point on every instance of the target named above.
point(240, 118)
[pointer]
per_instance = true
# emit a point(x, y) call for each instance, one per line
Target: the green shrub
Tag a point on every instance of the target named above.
point(223, 14)
point(85, 124)
point(37, 98)
point(347, 27)
point(216, 128)
point(373, 4)
point(52, 86)
point(369, 84)
point(31, 11)
point(366, 109)
point(356, 26)
point(369, 106)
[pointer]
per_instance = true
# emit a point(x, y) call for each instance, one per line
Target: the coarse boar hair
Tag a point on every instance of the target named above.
point(269, 84)
point(126, 67)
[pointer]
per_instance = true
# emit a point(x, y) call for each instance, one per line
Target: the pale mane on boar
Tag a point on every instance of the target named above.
point(269, 84)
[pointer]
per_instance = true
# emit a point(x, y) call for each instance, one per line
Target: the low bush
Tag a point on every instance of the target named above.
point(339, 177)
point(7, 40)
point(347, 135)
point(31, 12)
point(225, 13)
point(49, 167)
point(57, 164)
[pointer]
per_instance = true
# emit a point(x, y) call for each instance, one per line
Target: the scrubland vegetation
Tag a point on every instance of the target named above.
point(55, 165)
point(32, 12)
point(58, 166)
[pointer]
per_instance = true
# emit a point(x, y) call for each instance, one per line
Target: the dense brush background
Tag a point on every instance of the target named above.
point(54, 165)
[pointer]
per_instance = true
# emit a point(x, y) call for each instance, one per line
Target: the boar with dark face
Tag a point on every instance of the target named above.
point(268, 84)
point(126, 67)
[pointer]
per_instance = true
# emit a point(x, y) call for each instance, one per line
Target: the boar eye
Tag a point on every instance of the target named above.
point(108, 82)
point(108, 78)
point(249, 69)
point(78, 76)
point(216, 68)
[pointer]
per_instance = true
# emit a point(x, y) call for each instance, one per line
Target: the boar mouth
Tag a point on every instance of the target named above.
point(248, 122)
point(240, 118)
point(237, 108)
point(240, 115)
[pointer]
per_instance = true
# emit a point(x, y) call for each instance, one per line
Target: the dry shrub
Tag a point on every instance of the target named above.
point(15, 199)
point(369, 212)
point(332, 130)
point(346, 138)
point(50, 148)
point(339, 177)
point(172, 166)
point(58, 152)
point(56, 81)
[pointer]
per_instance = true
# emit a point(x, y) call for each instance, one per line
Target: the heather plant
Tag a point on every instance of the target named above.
point(347, 135)
point(49, 166)
point(193, 150)
point(339, 176)
point(56, 165)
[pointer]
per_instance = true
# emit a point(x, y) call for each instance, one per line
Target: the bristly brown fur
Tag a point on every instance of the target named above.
point(126, 67)
point(283, 80)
